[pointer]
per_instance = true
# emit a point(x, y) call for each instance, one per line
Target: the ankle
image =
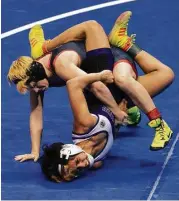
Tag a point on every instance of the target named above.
point(154, 114)
point(134, 50)
point(44, 47)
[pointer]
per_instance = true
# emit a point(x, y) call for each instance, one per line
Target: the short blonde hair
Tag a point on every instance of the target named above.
point(18, 71)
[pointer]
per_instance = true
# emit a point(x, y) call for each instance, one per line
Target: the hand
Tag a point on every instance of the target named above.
point(121, 118)
point(121, 113)
point(25, 157)
point(107, 76)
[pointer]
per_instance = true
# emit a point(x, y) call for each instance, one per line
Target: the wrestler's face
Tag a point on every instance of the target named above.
point(38, 86)
point(76, 165)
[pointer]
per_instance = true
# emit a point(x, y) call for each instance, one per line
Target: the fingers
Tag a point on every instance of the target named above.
point(107, 76)
point(122, 118)
point(24, 157)
point(36, 158)
point(125, 121)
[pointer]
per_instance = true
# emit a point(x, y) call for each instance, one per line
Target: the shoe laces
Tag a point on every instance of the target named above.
point(161, 131)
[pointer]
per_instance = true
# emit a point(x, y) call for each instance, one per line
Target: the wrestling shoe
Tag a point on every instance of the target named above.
point(163, 134)
point(36, 39)
point(134, 116)
point(118, 36)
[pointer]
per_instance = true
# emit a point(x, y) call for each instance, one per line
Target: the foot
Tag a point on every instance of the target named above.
point(163, 134)
point(36, 39)
point(134, 116)
point(118, 36)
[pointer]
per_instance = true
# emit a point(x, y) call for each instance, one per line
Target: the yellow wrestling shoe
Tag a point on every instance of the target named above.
point(134, 116)
point(36, 39)
point(118, 36)
point(163, 134)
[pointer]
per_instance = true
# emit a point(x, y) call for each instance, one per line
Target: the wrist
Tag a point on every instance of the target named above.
point(35, 152)
point(100, 76)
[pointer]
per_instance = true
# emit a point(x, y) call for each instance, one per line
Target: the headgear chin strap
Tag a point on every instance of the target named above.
point(71, 150)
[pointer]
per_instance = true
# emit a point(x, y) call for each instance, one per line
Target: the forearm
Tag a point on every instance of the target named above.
point(74, 33)
point(36, 128)
point(82, 81)
point(36, 141)
point(98, 88)
point(102, 92)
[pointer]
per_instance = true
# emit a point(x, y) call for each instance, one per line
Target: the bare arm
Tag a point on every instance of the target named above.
point(36, 127)
point(36, 120)
point(82, 116)
point(100, 90)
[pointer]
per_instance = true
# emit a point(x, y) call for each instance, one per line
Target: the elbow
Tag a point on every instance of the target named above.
point(83, 122)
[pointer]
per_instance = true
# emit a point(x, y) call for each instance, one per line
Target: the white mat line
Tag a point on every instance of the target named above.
point(64, 15)
point(163, 167)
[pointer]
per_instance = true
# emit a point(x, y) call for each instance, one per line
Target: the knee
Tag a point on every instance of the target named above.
point(93, 25)
point(123, 81)
point(171, 75)
point(168, 74)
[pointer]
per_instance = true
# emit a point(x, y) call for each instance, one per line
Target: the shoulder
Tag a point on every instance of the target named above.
point(97, 165)
point(85, 124)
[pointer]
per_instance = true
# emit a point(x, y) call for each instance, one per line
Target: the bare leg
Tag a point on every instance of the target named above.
point(90, 31)
point(95, 38)
point(149, 65)
point(125, 79)
point(157, 75)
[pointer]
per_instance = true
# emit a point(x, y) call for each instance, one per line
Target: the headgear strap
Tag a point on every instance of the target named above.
point(71, 150)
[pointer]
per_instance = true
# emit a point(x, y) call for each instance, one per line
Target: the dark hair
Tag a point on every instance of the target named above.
point(50, 159)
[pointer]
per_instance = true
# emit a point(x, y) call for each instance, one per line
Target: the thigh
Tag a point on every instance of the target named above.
point(66, 68)
point(95, 36)
point(123, 63)
point(154, 82)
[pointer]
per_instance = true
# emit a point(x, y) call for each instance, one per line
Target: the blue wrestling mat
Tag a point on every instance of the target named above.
point(131, 171)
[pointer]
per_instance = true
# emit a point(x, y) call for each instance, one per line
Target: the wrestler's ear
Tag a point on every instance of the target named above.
point(56, 178)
